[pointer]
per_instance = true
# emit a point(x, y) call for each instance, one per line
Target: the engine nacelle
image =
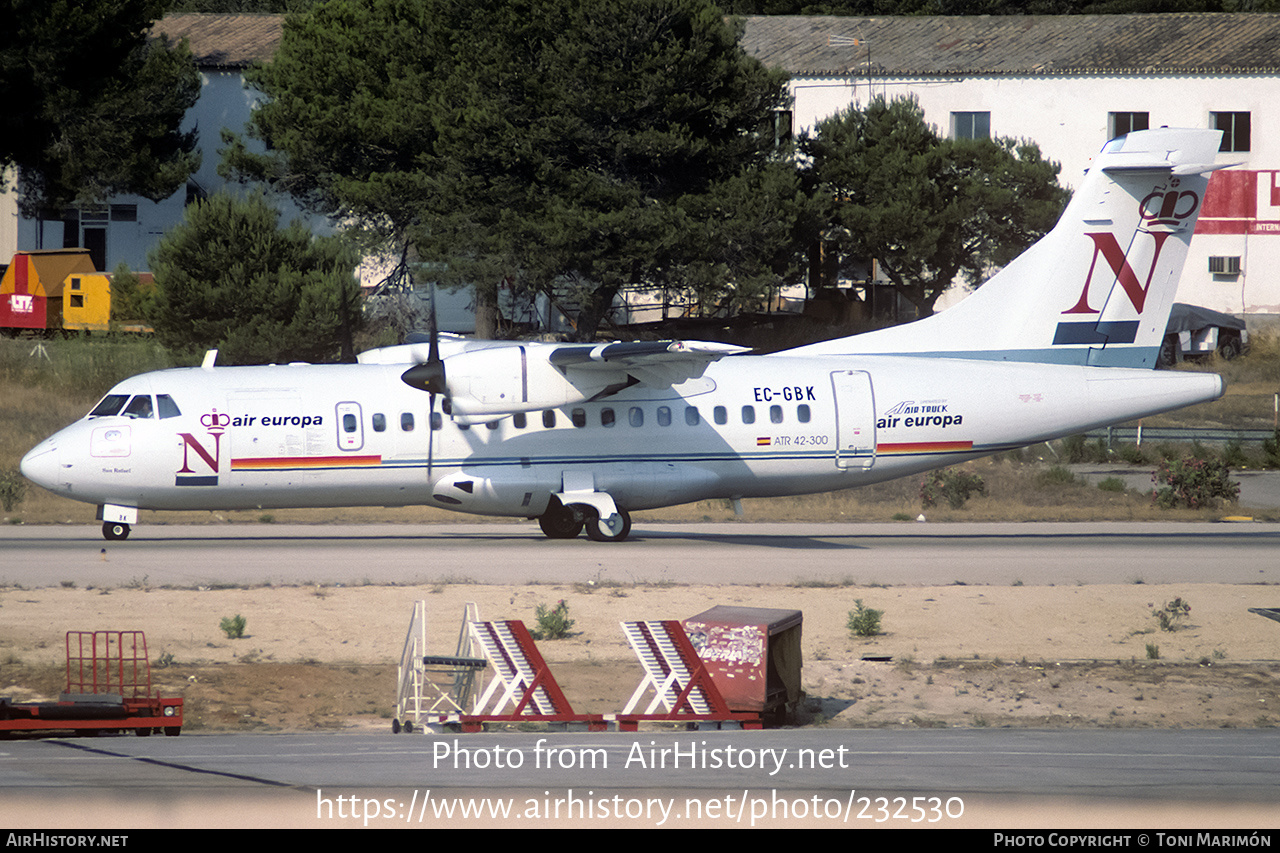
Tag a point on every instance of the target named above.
point(490, 383)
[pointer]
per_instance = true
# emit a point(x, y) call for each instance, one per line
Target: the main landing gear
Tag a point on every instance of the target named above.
point(566, 522)
point(115, 530)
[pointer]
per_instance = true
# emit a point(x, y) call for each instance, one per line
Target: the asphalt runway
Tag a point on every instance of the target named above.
point(751, 553)
point(973, 778)
point(919, 778)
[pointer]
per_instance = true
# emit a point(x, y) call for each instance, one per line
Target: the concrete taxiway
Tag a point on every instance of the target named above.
point(914, 553)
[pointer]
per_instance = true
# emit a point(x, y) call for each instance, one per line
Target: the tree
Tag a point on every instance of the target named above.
point(92, 107)
point(228, 277)
point(538, 142)
point(929, 209)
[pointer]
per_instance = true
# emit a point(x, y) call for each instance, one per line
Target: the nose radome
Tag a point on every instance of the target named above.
point(40, 465)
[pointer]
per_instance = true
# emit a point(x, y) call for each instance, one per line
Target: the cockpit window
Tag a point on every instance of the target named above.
point(166, 407)
point(109, 405)
point(139, 407)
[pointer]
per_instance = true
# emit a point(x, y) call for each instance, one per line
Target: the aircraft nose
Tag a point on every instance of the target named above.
point(40, 465)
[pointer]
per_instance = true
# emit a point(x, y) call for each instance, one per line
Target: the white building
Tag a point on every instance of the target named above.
point(1070, 83)
point(126, 228)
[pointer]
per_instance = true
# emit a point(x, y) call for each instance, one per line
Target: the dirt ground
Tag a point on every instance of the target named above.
point(324, 658)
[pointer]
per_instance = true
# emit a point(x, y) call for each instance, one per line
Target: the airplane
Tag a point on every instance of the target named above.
point(1062, 340)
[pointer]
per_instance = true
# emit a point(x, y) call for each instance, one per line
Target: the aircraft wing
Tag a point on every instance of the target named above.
point(653, 363)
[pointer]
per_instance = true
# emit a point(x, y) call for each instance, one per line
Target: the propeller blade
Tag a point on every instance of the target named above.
point(433, 328)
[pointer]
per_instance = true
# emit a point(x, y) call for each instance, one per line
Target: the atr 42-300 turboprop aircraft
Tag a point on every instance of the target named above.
point(1062, 340)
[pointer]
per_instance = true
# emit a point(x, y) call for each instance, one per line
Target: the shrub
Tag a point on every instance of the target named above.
point(864, 621)
point(13, 488)
point(954, 486)
point(1233, 455)
point(1193, 483)
point(1271, 451)
point(1172, 613)
point(554, 623)
point(1074, 449)
point(1056, 476)
point(233, 627)
point(1132, 454)
point(1112, 484)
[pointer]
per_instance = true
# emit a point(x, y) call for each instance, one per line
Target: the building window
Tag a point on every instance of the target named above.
point(1224, 265)
point(1118, 124)
point(1235, 130)
point(124, 213)
point(971, 125)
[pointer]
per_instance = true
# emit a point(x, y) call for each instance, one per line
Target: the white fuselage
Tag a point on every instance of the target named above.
point(347, 435)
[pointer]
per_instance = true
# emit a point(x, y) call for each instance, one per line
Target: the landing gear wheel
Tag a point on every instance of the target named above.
point(115, 530)
point(560, 522)
point(599, 530)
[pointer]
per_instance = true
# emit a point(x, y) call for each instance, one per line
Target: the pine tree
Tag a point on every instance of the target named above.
point(229, 278)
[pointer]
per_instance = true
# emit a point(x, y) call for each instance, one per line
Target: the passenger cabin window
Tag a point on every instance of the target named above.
point(721, 415)
point(519, 421)
point(166, 407)
point(549, 418)
point(691, 416)
point(349, 423)
point(664, 416)
point(109, 405)
point(406, 421)
point(579, 417)
point(635, 416)
point(379, 422)
point(607, 417)
point(139, 407)
point(802, 413)
point(775, 414)
point(437, 420)
point(492, 425)
point(748, 414)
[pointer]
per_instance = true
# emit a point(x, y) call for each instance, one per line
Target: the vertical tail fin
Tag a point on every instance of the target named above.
point(1098, 288)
